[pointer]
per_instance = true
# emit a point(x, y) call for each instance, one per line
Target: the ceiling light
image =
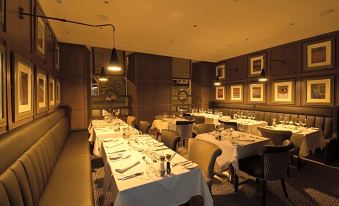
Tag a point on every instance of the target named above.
point(263, 77)
point(113, 64)
point(217, 81)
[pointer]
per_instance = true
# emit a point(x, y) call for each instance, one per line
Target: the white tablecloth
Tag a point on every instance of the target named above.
point(249, 126)
point(210, 118)
point(233, 149)
point(307, 139)
point(166, 123)
point(149, 190)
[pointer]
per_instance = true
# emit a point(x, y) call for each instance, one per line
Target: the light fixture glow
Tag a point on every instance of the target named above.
point(103, 79)
point(263, 77)
point(217, 81)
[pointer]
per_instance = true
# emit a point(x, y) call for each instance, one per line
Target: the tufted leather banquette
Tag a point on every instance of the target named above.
point(43, 163)
point(324, 118)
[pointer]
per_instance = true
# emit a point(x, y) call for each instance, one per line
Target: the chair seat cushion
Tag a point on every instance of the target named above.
point(252, 165)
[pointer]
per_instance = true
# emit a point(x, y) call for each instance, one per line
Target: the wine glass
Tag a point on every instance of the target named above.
point(281, 120)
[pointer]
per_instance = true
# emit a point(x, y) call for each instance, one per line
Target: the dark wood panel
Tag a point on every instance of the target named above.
point(162, 93)
point(145, 113)
point(181, 68)
point(72, 63)
point(162, 68)
point(237, 68)
point(285, 59)
point(145, 93)
point(144, 66)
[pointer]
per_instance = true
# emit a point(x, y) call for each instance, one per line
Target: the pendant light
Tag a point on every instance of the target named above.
point(102, 77)
point(263, 77)
point(217, 81)
point(114, 63)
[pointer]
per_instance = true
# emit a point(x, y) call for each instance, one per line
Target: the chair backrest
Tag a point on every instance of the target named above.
point(144, 126)
point(275, 160)
point(170, 138)
point(204, 154)
point(185, 128)
point(204, 128)
point(199, 119)
point(229, 124)
point(277, 137)
point(131, 120)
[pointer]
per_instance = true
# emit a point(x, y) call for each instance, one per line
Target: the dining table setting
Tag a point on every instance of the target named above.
point(167, 123)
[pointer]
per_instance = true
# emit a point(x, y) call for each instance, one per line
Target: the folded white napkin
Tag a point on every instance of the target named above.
point(127, 167)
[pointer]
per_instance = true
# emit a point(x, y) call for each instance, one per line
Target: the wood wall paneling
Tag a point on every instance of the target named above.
point(162, 93)
point(237, 68)
point(181, 68)
point(162, 68)
point(145, 92)
point(285, 60)
point(144, 66)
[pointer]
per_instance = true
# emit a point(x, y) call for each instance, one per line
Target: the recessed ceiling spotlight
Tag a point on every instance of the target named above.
point(305, 30)
point(59, 1)
point(194, 25)
point(170, 41)
point(291, 24)
point(106, 1)
point(103, 17)
point(246, 39)
point(327, 12)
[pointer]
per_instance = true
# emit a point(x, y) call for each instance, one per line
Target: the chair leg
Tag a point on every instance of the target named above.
point(264, 192)
point(236, 181)
point(284, 187)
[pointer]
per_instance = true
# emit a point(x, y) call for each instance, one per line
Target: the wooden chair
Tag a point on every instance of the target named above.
point(131, 120)
point(170, 138)
point(144, 127)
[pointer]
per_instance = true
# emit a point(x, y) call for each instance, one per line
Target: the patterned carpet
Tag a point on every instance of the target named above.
point(314, 184)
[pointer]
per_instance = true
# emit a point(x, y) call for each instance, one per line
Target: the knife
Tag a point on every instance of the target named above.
point(131, 176)
point(178, 163)
point(165, 148)
point(117, 151)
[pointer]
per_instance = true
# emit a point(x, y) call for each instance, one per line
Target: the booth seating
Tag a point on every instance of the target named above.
point(44, 163)
point(324, 118)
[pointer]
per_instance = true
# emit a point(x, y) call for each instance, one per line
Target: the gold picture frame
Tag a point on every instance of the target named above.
point(256, 63)
point(57, 57)
point(41, 91)
point(220, 93)
point(283, 92)
point(23, 88)
point(2, 12)
point(220, 71)
point(319, 91)
point(57, 92)
point(236, 93)
point(319, 55)
point(40, 35)
point(3, 100)
point(51, 92)
point(257, 93)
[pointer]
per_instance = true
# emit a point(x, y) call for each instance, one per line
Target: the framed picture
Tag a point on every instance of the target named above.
point(236, 93)
point(257, 94)
point(40, 35)
point(221, 71)
point(220, 93)
point(256, 64)
point(57, 57)
point(283, 92)
point(57, 92)
point(41, 91)
point(2, 86)
point(319, 91)
point(319, 55)
point(23, 88)
point(51, 92)
point(2, 11)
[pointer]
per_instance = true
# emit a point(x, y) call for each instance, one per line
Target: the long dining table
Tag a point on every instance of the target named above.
point(132, 174)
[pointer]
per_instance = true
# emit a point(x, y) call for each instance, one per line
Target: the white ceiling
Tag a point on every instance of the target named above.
point(224, 28)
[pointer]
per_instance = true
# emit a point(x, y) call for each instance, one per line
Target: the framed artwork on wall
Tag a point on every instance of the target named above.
point(57, 92)
point(23, 88)
point(257, 93)
point(221, 71)
point(57, 57)
point(319, 55)
point(256, 64)
point(319, 91)
point(2, 11)
point(51, 92)
point(283, 92)
point(40, 35)
point(220, 93)
point(2, 86)
point(236, 93)
point(41, 91)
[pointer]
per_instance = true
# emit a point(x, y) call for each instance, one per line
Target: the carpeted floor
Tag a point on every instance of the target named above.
point(314, 184)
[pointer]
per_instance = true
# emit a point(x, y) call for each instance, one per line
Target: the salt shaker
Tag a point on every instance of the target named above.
point(162, 166)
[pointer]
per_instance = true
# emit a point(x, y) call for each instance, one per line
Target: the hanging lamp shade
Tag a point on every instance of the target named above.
point(217, 81)
point(263, 77)
point(102, 77)
point(114, 64)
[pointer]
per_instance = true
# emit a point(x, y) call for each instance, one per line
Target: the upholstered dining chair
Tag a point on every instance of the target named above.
point(229, 124)
point(203, 128)
point(271, 165)
point(204, 154)
point(185, 129)
point(199, 119)
point(131, 120)
point(277, 137)
point(170, 138)
point(144, 127)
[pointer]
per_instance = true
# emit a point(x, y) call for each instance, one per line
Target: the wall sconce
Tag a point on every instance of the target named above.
point(217, 81)
point(263, 77)
point(113, 65)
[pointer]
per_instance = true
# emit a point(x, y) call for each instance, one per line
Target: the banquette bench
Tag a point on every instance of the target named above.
point(44, 163)
point(324, 118)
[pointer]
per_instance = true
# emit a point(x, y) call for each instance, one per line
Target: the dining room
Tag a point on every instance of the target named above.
point(164, 103)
